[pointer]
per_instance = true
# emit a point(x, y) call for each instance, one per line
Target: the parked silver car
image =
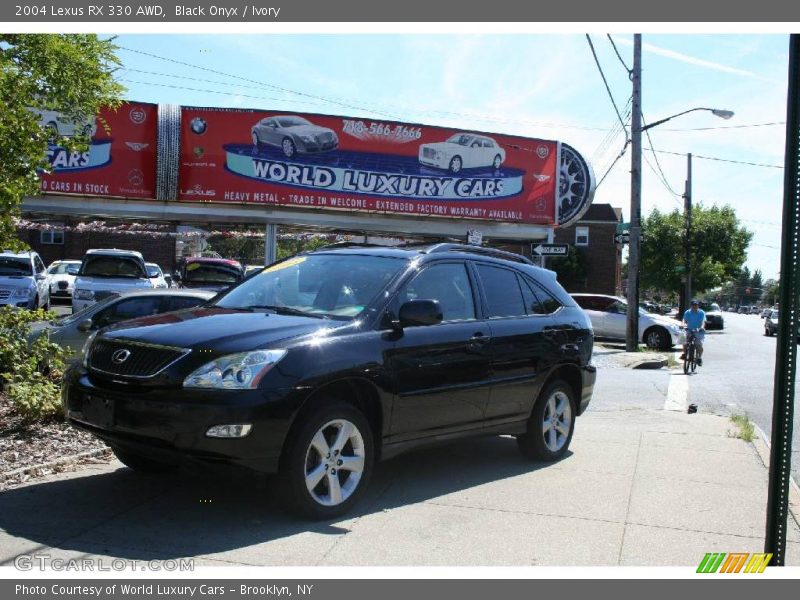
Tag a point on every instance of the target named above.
point(293, 134)
point(71, 332)
point(23, 281)
point(609, 320)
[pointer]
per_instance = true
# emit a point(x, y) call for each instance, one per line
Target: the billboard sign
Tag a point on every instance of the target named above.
point(120, 161)
point(364, 165)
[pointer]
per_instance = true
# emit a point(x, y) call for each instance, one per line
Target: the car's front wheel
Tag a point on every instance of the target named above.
point(328, 461)
point(551, 424)
point(657, 338)
point(455, 164)
point(256, 141)
point(288, 147)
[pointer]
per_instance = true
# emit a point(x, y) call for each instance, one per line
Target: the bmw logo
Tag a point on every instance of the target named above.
point(198, 125)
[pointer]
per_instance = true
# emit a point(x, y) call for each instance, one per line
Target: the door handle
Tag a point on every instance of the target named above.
point(479, 339)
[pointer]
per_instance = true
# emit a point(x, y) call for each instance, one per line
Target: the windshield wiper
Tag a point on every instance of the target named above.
point(285, 310)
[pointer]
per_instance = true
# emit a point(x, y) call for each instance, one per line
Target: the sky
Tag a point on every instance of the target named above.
point(545, 86)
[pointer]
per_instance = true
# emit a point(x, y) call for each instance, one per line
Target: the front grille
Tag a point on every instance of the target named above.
point(325, 138)
point(62, 285)
point(143, 361)
point(429, 153)
point(4, 294)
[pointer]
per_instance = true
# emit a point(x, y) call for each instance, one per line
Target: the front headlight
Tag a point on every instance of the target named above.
point(84, 355)
point(84, 295)
point(307, 138)
point(22, 293)
point(235, 371)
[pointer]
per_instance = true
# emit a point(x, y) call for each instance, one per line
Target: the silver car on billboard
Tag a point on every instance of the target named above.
point(293, 135)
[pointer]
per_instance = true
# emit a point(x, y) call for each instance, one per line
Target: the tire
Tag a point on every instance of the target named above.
point(455, 164)
point(310, 455)
point(141, 464)
point(256, 141)
point(550, 443)
point(686, 362)
point(497, 162)
point(288, 147)
point(658, 338)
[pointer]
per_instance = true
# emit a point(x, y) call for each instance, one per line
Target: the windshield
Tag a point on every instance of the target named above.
point(335, 286)
point(15, 266)
point(153, 270)
point(774, 314)
point(292, 121)
point(112, 266)
point(87, 312)
point(461, 139)
point(212, 273)
point(62, 268)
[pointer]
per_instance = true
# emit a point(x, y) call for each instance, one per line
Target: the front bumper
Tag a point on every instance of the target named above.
point(714, 322)
point(169, 425)
point(17, 302)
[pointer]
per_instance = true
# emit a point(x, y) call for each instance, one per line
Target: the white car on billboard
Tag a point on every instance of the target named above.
point(462, 151)
point(56, 127)
point(293, 134)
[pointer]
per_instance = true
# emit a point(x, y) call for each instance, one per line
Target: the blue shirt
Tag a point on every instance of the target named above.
point(694, 320)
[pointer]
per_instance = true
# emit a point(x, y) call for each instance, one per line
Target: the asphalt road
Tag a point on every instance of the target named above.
point(737, 376)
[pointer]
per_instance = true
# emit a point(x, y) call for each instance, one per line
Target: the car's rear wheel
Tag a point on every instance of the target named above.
point(141, 464)
point(551, 424)
point(328, 461)
point(455, 164)
point(288, 147)
point(658, 338)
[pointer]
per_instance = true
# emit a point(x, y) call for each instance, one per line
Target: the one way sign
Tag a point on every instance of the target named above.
point(551, 249)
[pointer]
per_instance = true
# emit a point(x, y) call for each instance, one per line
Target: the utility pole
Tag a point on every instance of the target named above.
point(632, 331)
point(687, 242)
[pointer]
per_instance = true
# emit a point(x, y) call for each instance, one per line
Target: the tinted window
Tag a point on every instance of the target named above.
point(449, 284)
point(15, 266)
point(212, 273)
point(112, 266)
point(128, 309)
point(503, 294)
point(537, 300)
point(593, 302)
point(181, 302)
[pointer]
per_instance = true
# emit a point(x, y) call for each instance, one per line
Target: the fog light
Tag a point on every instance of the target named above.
point(229, 431)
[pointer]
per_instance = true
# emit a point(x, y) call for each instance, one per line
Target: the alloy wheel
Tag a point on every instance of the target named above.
point(557, 421)
point(334, 462)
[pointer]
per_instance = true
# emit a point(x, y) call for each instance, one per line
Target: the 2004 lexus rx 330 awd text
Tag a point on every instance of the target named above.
point(327, 362)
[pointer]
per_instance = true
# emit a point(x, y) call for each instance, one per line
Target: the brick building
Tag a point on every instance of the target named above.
point(593, 238)
point(60, 244)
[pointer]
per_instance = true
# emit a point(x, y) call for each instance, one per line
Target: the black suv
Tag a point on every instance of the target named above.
point(327, 361)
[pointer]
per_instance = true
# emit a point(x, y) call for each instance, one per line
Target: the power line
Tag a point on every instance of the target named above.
point(661, 178)
point(658, 164)
point(744, 126)
point(619, 156)
point(628, 69)
point(605, 82)
point(716, 158)
point(181, 87)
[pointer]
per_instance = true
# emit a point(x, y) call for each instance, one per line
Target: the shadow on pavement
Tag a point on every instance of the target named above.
point(130, 515)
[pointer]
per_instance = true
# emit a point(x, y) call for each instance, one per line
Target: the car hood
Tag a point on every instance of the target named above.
point(111, 284)
point(449, 147)
point(20, 281)
point(661, 320)
point(308, 130)
point(218, 329)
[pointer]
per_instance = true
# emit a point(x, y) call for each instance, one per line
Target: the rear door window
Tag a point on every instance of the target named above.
point(502, 290)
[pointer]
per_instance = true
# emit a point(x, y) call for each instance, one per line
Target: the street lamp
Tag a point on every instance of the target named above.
point(632, 329)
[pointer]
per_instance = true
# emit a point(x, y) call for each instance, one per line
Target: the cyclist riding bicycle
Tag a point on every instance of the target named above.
point(694, 319)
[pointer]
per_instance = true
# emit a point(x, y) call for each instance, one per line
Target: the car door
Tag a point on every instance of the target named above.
point(524, 343)
point(595, 308)
point(441, 372)
point(616, 319)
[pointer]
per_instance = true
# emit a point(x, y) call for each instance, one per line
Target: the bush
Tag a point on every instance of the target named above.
point(30, 371)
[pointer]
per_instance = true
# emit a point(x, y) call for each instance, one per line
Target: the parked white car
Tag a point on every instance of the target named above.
point(23, 281)
point(462, 151)
point(609, 320)
point(61, 278)
point(106, 272)
point(293, 134)
point(156, 275)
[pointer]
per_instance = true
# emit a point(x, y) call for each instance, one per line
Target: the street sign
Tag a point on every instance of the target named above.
point(623, 227)
point(551, 249)
point(622, 238)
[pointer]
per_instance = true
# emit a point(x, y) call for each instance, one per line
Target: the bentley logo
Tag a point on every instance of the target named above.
point(120, 356)
point(136, 146)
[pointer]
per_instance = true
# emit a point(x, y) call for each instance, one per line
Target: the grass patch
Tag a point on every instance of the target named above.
point(746, 430)
point(673, 362)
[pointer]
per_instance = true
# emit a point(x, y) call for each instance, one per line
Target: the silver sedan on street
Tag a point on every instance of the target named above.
point(71, 332)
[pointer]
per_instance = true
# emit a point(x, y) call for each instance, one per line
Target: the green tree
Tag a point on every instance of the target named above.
point(718, 248)
point(68, 73)
point(571, 269)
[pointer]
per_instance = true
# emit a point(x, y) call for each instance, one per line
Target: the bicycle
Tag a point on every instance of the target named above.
point(690, 356)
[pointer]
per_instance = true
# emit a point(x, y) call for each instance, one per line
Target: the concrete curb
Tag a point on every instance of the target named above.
point(64, 461)
point(763, 450)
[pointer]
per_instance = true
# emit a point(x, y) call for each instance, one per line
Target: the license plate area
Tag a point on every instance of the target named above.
point(98, 411)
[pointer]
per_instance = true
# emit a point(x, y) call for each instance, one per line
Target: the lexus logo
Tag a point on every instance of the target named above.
point(120, 356)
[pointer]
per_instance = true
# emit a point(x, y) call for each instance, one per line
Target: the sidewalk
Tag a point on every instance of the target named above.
point(641, 486)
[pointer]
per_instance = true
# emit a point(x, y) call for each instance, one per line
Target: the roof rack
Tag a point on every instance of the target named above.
point(450, 247)
point(348, 245)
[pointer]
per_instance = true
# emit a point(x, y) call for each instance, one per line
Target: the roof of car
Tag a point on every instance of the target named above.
point(409, 251)
point(114, 252)
point(13, 254)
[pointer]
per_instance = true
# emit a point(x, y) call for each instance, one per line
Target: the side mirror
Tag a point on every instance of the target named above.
point(85, 326)
point(420, 312)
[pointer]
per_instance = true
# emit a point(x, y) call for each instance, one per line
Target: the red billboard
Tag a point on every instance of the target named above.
point(120, 160)
point(365, 165)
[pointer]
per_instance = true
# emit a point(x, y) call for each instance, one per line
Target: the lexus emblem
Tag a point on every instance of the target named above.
point(120, 356)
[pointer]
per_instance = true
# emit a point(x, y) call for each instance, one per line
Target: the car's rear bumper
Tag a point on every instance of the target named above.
point(588, 378)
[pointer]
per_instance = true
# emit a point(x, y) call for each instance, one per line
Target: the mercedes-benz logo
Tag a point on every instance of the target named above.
point(120, 356)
